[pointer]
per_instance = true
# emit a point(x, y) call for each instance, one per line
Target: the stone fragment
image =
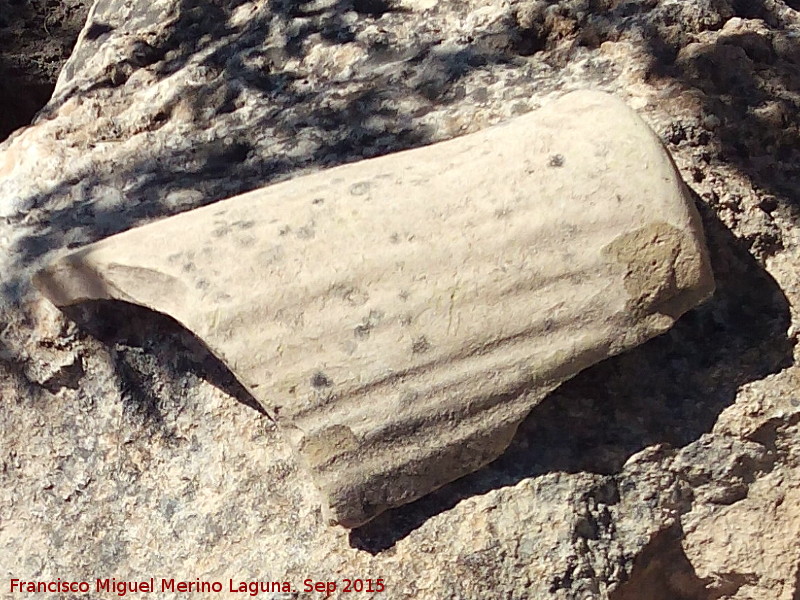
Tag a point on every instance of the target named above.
point(399, 316)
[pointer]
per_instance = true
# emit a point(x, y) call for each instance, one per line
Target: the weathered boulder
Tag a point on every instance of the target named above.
point(399, 317)
point(660, 473)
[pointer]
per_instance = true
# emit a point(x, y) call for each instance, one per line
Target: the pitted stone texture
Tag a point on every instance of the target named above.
point(400, 316)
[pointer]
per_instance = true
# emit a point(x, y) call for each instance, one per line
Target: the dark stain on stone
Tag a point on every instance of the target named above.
point(320, 380)
point(556, 160)
point(349, 294)
point(363, 330)
point(420, 345)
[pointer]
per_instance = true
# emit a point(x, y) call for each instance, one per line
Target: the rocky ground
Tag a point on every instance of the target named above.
point(672, 471)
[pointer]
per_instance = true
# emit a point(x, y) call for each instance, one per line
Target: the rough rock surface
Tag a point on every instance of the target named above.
point(670, 471)
point(471, 278)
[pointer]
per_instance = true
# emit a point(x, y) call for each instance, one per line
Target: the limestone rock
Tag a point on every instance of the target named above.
point(400, 316)
point(660, 473)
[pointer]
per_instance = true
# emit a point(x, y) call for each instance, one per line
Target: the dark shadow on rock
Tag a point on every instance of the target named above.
point(152, 350)
point(20, 99)
point(668, 391)
point(749, 81)
point(662, 571)
point(369, 122)
point(35, 40)
point(365, 123)
point(671, 390)
point(796, 595)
